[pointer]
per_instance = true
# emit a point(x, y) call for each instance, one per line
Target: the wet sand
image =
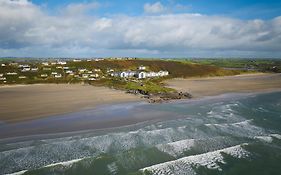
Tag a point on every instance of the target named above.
point(28, 102)
point(211, 86)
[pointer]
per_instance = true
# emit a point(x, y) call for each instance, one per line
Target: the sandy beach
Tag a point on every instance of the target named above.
point(210, 86)
point(27, 102)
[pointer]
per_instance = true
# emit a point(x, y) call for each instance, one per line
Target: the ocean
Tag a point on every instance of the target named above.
point(227, 134)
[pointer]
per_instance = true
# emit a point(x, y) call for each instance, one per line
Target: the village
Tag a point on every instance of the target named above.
point(134, 78)
point(16, 72)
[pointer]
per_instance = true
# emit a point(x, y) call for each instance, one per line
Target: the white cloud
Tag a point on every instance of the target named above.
point(78, 8)
point(26, 30)
point(155, 8)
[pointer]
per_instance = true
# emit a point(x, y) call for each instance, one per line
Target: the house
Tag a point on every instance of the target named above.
point(14, 64)
point(3, 65)
point(65, 68)
point(45, 64)
point(141, 75)
point(94, 75)
point(97, 70)
point(69, 72)
point(11, 73)
point(44, 75)
point(142, 68)
point(92, 79)
point(34, 69)
point(82, 70)
point(77, 60)
point(58, 76)
point(109, 70)
point(23, 66)
point(54, 73)
point(1, 75)
point(26, 69)
point(61, 62)
point(127, 74)
point(3, 78)
point(163, 73)
point(85, 75)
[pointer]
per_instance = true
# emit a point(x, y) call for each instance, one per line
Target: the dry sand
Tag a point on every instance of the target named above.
point(211, 86)
point(26, 102)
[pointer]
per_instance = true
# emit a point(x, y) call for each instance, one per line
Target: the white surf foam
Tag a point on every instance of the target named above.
point(209, 160)
point(278, 136)
point(65, 163)
point(18, 173)
point(176, 148)
point(264, 138)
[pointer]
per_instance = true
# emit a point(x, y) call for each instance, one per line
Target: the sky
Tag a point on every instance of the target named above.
point(140, 28)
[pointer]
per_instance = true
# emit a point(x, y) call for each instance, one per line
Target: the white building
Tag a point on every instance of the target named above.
point(1, 75)
point(34, 69)
point(14, 64)
point(163, 73)
point(97, 70)
point(142, 68)
point(127, 74)
point(94, 75)
point(3, 65)
point(109, 70)
point(45, 64)
point(139, 74)
point(26, 69)
point(77, 60)
point(12, 73)
point(69, 72)
point(23, 66)
point(44, 75)
point(142, 75)
point(124, 74)
point(54, 73)
point(61, 62)
point(82, 70)
point(58, 76)
point(85, 75)
point(3, 78)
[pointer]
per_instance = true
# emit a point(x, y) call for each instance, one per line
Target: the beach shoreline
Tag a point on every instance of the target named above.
point(21, 103)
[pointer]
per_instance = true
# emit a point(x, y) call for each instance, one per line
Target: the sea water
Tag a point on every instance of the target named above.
point(228, 134)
